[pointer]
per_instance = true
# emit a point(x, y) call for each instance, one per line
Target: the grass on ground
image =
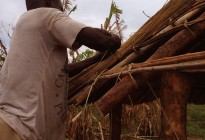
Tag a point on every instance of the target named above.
point(196, 121)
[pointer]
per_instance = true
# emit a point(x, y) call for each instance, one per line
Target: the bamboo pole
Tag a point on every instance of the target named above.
point(175, 62)
point(190, 65)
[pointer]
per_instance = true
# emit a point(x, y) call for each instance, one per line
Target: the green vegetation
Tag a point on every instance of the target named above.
point(196, 120)
point(86, 54)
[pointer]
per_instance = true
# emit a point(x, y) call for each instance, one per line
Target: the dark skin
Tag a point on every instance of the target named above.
point(94, 38)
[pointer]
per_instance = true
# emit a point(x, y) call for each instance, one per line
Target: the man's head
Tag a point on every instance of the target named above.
point(33, 4)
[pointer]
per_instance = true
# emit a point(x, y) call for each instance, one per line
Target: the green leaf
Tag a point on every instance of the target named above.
point(73, 9)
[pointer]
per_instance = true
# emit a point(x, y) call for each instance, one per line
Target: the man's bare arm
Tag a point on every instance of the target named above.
point(96, 39)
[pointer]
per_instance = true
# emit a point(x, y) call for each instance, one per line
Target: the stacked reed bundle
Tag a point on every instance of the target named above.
point(176, 24)
point(167, 42)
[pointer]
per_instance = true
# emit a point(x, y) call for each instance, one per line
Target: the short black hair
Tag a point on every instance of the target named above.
point(33, 4)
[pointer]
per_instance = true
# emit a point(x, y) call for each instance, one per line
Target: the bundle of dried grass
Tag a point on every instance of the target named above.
point(165, 17)
point(153, 32)
point(175, 30)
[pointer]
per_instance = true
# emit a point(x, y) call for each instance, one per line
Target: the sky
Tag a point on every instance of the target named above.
point(90, 12)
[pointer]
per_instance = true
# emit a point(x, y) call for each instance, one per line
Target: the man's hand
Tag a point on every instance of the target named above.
point(98, 39)
point(117, 42)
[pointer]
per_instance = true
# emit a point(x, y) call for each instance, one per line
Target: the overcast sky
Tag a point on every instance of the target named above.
point(89, 12)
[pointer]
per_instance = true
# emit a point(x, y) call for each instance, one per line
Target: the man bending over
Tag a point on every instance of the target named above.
point(33, 77)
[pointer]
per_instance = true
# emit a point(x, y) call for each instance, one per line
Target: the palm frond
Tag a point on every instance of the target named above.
point(114, 10)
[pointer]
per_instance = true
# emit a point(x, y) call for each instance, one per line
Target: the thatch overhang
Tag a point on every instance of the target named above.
point(172, 40)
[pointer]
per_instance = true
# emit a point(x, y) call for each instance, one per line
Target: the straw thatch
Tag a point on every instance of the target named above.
point(172, 40)
point(172, 18)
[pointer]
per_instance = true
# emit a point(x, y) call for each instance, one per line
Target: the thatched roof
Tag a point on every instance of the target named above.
point(170, 41)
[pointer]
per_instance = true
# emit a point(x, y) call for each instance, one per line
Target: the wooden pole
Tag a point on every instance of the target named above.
point(105, 105)
point(156, 24)
point(115, 123)
point(170, 48)
point(184, 66)
point(175, 89)
point(82, 95)
point(163, 61)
